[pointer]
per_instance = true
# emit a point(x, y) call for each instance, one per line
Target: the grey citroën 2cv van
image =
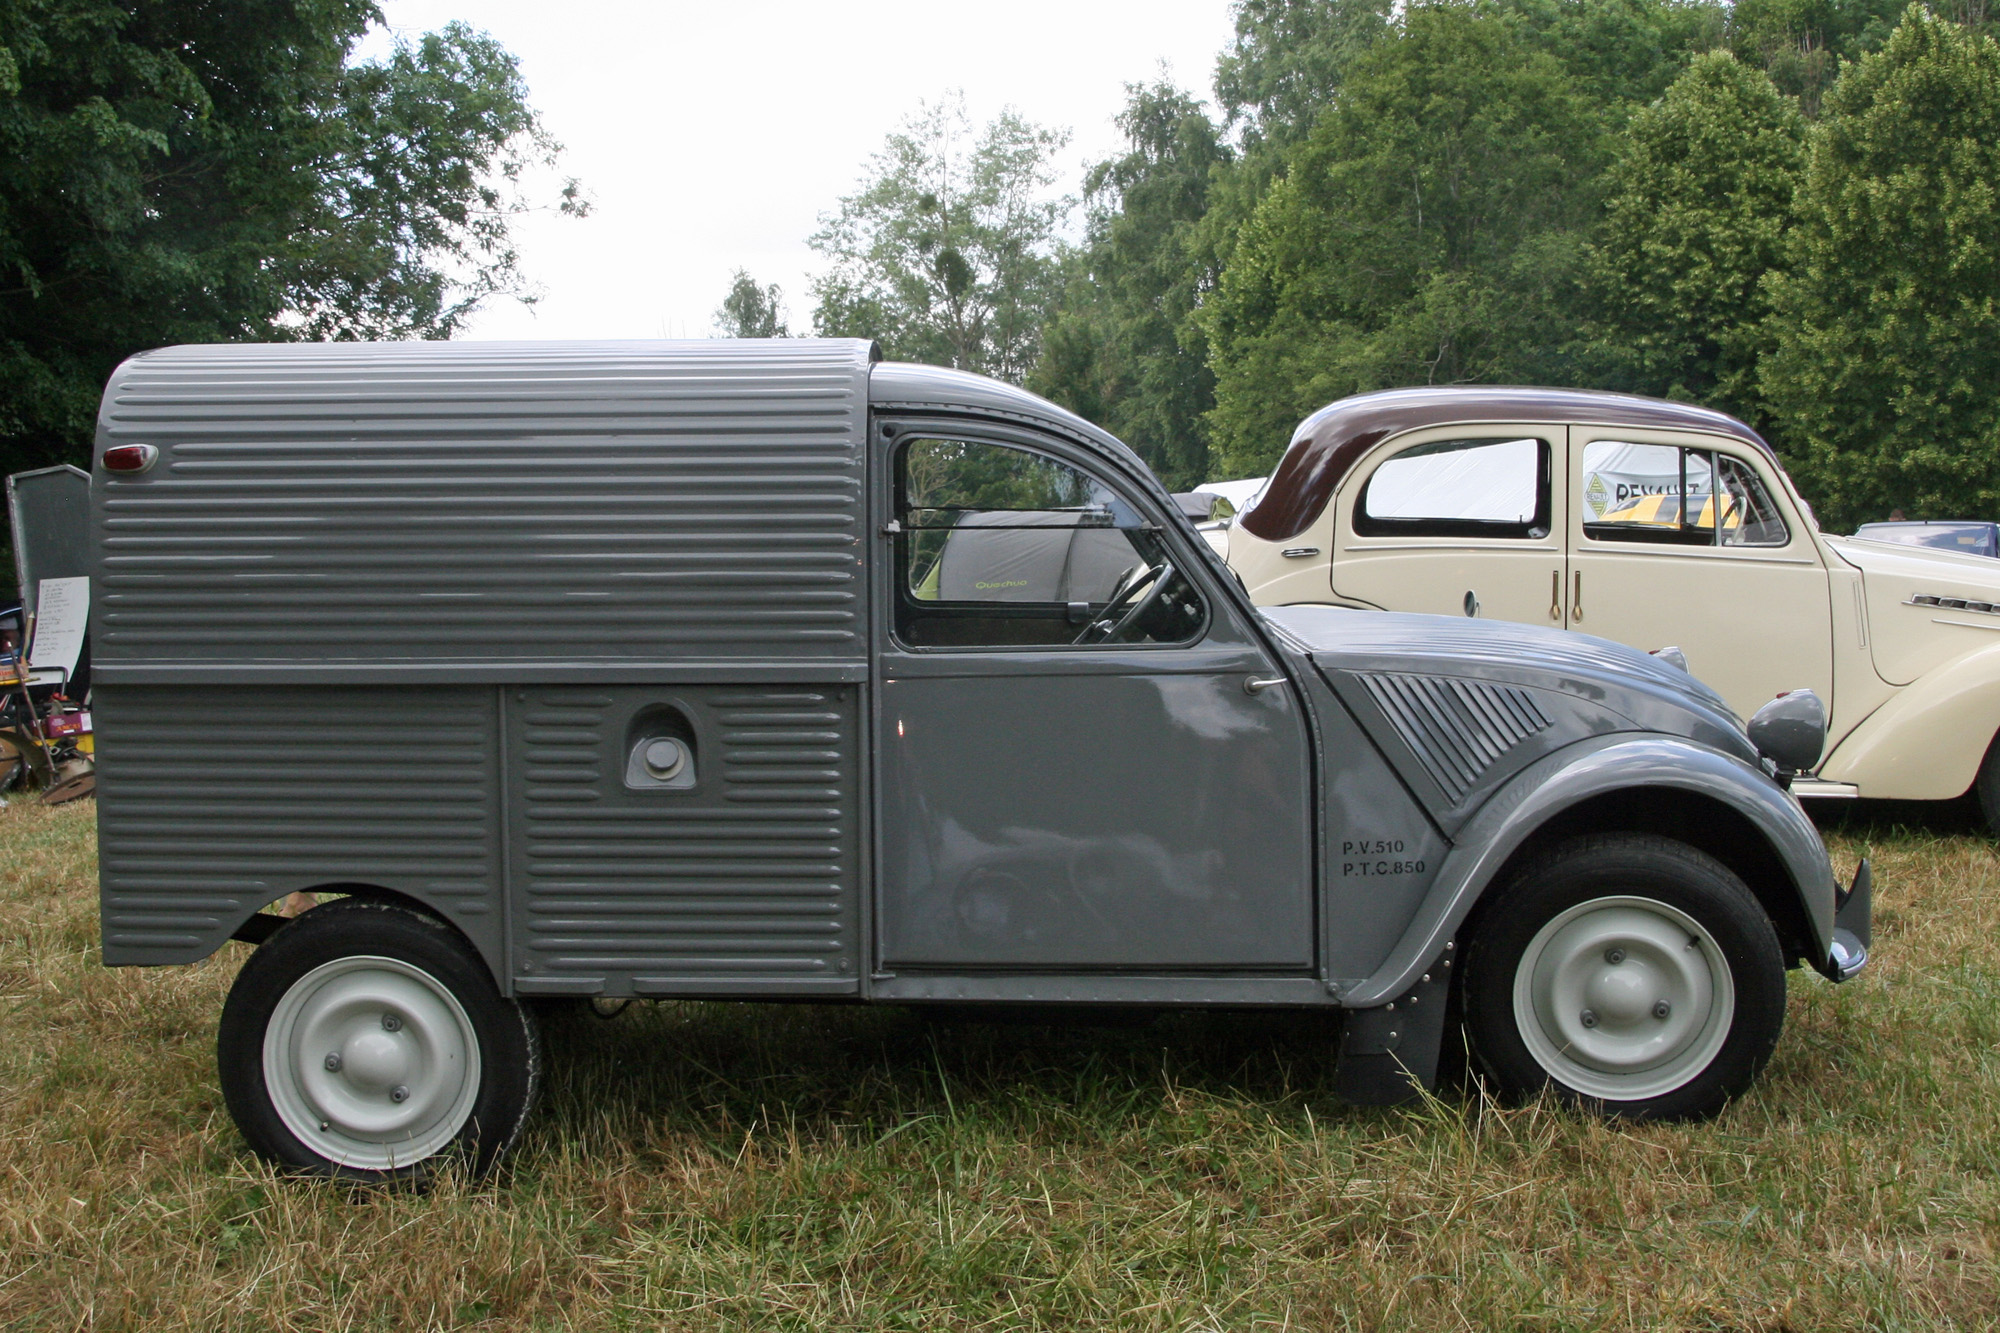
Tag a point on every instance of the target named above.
point(622, 670)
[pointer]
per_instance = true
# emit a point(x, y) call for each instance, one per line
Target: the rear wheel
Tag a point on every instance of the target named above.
point(1632, 974)
point(367, 1040)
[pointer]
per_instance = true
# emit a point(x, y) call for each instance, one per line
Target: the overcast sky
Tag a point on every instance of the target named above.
point(712, 136)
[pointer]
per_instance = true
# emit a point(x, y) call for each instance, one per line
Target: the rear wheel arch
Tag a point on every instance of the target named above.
point(495, 964)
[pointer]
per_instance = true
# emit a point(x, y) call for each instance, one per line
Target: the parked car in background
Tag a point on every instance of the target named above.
point(1654, 524)
point(1966, 536)
point(1237, 494)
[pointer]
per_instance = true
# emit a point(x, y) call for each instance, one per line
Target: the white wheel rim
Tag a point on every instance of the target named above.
point(371, 1063)
point(1624, 998)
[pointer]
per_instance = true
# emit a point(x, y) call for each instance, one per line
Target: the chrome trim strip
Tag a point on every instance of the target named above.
point(1953, 604)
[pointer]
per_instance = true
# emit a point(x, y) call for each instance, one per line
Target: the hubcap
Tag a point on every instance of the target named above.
point(1623, 998)
point(371, 1062)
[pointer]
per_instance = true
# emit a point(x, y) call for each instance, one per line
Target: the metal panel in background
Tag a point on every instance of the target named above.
point(49, 509)
point(496, 511)
point(741, 876)
point(220, 800)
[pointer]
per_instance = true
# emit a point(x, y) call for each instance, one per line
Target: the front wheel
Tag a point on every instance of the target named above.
point(1987, 787)
point(1633, 974)
point(367, 1040)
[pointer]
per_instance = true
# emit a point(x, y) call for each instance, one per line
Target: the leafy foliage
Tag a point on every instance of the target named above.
point(1336, 247)
point(1887, 318)
point(948, 252)
point(1802, 42)
point(1290, 57)
point(751, 311)
point(1422, 233)
point(1623, 53)
point(1700, 203)
point(1123, 349)
point(199, 170)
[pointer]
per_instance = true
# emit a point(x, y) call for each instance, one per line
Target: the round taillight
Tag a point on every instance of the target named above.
point(129, 457)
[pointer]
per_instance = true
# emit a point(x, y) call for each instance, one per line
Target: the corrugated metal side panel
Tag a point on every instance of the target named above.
point(749, 880)
point(214, 802)
point(486, 503)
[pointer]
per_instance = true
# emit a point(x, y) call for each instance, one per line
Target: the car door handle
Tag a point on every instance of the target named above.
point(1255, 685)
point(1556, 596)
point(1576, 601)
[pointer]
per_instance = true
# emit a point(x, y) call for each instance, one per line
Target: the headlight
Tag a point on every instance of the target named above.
point(1790, 731)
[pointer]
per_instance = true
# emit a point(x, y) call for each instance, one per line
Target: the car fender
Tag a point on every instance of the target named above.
point(1559, 781)
point(1926, 743)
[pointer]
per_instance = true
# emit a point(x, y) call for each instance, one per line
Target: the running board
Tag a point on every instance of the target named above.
point(1815, 789)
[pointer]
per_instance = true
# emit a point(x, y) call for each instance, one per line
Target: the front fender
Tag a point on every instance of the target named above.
point(1576, 773)
point(1927, 742)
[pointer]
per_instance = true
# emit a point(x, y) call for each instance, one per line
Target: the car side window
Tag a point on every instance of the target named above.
point(1001, 546)
point(1675, 495)
point(1478, 487)
point(1660, 493)
point(1748, 516)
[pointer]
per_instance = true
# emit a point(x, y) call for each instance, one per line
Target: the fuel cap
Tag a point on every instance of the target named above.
point(663, 758)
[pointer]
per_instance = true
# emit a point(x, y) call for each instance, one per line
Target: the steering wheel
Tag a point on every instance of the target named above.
point(1153, 578)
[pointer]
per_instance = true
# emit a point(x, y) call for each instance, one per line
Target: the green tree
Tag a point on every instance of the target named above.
point(1624, 53)
point(950, 250)
point(1287, 62)
point(1288, 59)
point(1884, 382)
point(201, 170)
point(1428, 230)
point(1803, 42)
point(751, 311)
point(1122, 349)
point(1700, 204)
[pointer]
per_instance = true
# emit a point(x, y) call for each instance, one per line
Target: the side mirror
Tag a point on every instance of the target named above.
point(1790, 731)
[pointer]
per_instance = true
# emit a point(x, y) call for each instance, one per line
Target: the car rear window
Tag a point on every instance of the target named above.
point(1484, 487)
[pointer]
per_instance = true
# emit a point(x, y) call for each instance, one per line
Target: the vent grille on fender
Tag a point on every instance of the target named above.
point(1457, 728)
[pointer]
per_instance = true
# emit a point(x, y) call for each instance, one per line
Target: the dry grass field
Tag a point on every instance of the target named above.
point(814, 1167)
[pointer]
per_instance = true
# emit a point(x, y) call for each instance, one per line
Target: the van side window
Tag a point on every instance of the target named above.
point(1002, 546)
point(1482, 487)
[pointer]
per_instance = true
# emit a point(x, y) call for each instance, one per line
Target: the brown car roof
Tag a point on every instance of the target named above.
point(1332, 440)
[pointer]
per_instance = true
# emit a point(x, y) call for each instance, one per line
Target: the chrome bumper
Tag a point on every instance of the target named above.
point(1853, 928)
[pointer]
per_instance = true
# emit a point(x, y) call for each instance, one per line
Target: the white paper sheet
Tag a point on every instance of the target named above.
point(62, 614)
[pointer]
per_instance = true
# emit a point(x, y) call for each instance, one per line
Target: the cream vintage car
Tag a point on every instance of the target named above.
point(1652, 523)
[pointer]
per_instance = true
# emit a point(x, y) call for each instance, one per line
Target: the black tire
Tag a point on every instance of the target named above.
point(1625, 932)
point(1987, 787)
point(390, 989)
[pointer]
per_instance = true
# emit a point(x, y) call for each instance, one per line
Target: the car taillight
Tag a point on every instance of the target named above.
point(129, 457)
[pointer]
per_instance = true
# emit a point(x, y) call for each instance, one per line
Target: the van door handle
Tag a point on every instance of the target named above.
point(1576, 602)
point(1556, 596)
point(1253, 685)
